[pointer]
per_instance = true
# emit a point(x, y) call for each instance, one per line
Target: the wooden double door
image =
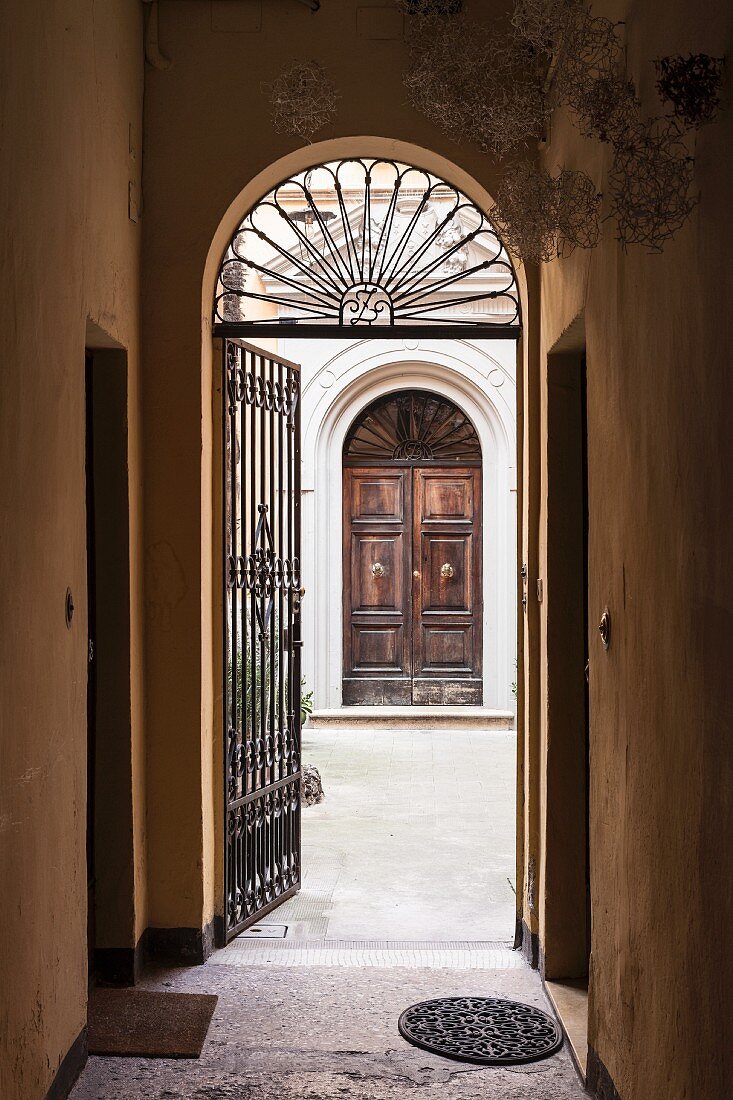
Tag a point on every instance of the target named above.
point(412, 585)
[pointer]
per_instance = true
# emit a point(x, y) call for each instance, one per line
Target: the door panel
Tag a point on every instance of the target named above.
point(377, 649)
point(377, 557)
point(380, 499)
point(447, 606)
point(448, 647)
point(372, 589)
point(446, 498)
point(447, 573)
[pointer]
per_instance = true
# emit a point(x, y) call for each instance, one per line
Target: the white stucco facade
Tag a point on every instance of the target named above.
point(339, 379)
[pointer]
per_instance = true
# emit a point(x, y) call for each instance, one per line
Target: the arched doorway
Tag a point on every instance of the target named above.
point(412, 554)
point(367, 249)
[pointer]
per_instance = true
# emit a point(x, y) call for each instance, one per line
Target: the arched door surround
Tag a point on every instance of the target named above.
point(412, 553)
point(338, 388)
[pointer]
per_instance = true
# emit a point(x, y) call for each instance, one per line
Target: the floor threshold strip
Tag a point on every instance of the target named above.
point(413, 954)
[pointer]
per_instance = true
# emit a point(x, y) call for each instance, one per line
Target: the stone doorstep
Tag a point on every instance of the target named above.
point(570, 1000)
point(415, 718)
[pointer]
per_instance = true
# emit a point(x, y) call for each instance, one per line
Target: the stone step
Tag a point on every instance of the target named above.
point(399, 718)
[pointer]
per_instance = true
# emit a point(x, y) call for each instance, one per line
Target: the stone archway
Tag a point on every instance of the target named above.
point(483, 386)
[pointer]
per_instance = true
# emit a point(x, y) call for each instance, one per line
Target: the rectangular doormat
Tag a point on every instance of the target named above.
point(149, 1025)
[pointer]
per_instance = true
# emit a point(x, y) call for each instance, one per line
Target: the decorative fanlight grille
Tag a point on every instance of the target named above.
point(366, 245)
point(414, 427)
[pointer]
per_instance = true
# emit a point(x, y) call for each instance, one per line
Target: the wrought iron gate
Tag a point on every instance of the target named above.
point(262, 666)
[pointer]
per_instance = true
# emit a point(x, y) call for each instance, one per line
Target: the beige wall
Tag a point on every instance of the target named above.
point(660, 391)
point(71, 89)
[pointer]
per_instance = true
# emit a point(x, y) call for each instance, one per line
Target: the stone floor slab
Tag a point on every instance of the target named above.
point(327, 1034)
point(415, 838)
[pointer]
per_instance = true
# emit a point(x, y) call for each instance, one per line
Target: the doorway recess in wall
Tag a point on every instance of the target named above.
point(348, 250)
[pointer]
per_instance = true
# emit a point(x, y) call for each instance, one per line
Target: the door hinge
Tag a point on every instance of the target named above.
point(91, 650)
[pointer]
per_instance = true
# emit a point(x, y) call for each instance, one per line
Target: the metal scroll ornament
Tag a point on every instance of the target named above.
point(483, 1030)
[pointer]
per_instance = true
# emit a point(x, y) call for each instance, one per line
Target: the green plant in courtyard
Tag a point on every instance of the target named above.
point(257, 678)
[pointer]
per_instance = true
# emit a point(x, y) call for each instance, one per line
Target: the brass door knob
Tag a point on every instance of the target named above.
point(378, 569)
point(446, 570)
point(416, 573)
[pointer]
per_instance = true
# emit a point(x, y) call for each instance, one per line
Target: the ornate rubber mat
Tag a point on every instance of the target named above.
point(484, 1030)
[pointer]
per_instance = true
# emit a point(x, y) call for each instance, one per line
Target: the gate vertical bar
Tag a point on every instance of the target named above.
point(226, 631)
point(298, 595)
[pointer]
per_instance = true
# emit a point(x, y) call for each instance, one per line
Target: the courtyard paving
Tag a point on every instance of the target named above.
point(415, 839)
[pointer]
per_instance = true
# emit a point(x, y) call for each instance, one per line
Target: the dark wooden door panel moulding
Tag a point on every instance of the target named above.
point(412, 555)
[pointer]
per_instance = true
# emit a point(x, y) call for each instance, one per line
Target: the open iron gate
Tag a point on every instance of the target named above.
point(262, 639)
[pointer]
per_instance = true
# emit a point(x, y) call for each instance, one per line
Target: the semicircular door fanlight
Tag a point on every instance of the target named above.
point(414, 427)
point(364, 244)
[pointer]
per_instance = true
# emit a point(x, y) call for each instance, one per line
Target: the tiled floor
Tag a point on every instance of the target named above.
point(415, 839)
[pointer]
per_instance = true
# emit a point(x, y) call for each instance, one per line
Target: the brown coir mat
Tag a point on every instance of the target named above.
point(149, 1025)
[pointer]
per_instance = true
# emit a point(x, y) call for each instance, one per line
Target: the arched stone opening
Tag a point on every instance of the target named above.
point(470, 397)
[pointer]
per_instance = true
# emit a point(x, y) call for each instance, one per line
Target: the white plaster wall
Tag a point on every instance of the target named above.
point(339, 379)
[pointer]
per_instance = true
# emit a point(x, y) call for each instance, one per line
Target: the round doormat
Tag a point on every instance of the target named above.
point(485, 1030)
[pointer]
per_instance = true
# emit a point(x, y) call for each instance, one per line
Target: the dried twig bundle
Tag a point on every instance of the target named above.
point(691, 85)
point(303, 99)
point(650, 184)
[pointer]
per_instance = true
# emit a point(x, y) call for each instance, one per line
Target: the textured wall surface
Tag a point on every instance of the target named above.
point(71, 91)
point(658, 332)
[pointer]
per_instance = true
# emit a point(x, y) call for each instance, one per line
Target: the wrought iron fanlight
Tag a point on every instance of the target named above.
point(366, 245)
point(414, 427)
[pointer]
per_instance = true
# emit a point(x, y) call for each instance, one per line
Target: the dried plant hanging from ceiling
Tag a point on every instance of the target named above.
point(607, 108)
point(578, 212)
point(541, 22)
point(542, 216)
point(303, 99)
point(474, 85)
point(525, 213)
point(651, 184)
point(445, 80)
point(588, 50)
point(430, 10)
point(691, 85)
point(651, 181)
